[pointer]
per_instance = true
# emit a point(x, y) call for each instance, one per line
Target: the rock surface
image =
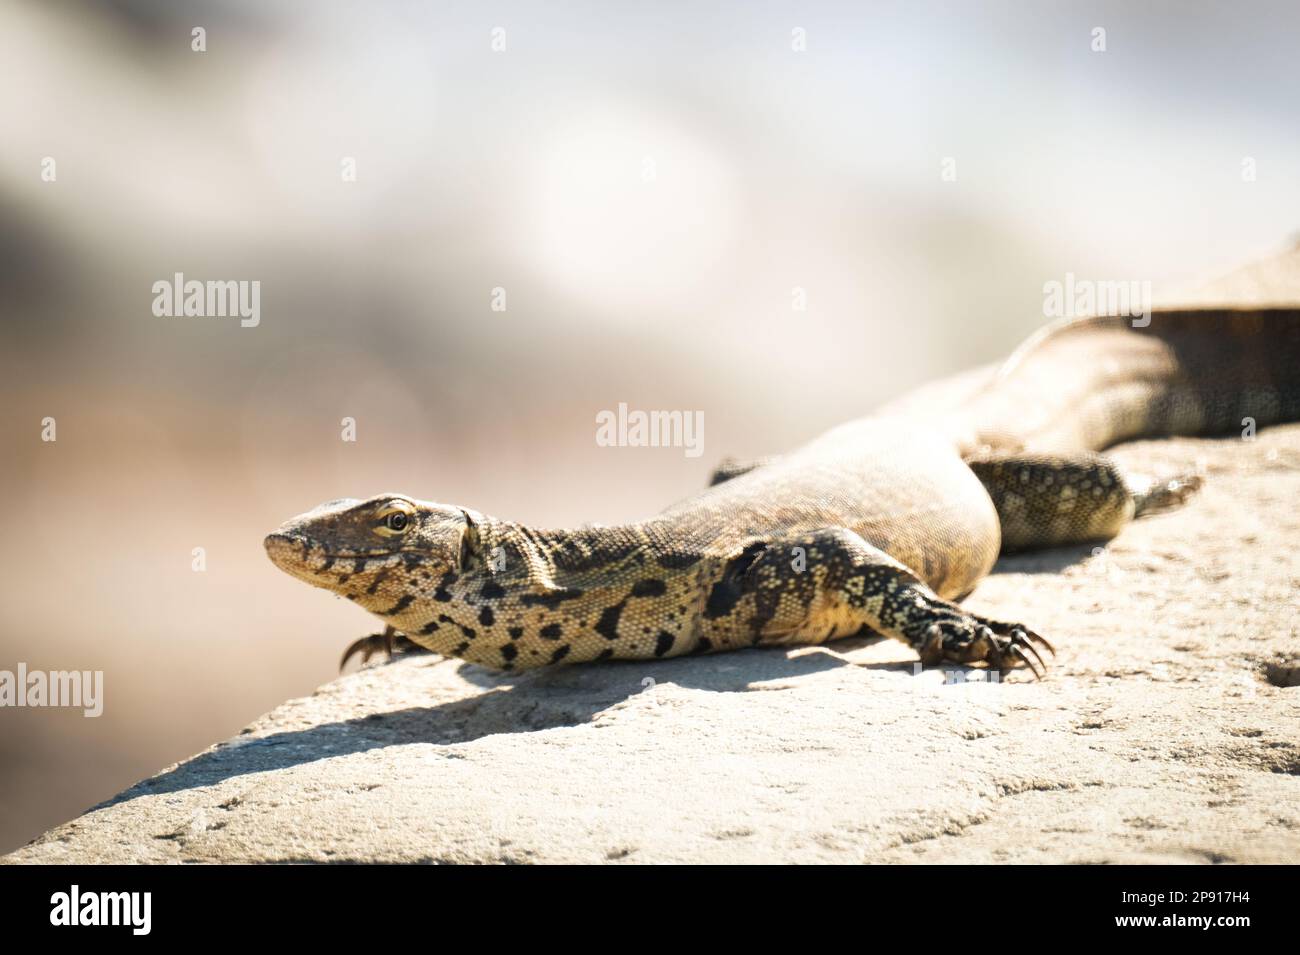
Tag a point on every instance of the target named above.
point(1166, 731)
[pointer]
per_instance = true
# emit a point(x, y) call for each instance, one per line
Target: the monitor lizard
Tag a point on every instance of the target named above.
point(880, 526)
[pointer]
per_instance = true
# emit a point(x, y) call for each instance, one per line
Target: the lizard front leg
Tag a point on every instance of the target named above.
point(831, 583)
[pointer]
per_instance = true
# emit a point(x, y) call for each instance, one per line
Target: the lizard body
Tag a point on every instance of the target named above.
point(879, 525)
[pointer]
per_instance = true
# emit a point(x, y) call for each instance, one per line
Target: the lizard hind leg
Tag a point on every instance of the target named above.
point(1052, 500)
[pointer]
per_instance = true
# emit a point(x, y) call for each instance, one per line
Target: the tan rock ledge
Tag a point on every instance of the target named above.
point(1165, 732)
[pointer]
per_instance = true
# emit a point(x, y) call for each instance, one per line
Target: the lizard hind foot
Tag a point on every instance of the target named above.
point(1165, 494)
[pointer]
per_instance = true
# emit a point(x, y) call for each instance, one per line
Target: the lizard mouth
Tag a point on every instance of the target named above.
point(295, 555)
point(308, 559)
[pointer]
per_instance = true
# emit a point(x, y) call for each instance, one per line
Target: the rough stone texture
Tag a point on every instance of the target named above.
point(1166, 731)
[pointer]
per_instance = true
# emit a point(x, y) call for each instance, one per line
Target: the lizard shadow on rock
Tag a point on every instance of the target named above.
point(728, 672)
point(1051, 561)
point(512, 703)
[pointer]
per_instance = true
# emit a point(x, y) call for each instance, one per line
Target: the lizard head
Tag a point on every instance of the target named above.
point(352, 547)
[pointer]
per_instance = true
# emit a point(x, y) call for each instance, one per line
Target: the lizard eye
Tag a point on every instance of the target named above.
point(394, 521)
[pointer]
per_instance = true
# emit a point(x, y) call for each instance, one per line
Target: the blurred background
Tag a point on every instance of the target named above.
point(649, 184)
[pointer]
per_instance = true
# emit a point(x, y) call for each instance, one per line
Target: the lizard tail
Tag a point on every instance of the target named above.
point(1087, 384)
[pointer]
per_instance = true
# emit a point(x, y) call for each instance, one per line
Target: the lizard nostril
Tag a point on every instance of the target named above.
point(281, 545)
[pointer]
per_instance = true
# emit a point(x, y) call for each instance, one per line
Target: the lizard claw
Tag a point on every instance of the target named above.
point(1017, 650)
point(1021, 644)
point(1018, 643)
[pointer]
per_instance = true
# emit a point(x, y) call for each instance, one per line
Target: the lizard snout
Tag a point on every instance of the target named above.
point(281, 547)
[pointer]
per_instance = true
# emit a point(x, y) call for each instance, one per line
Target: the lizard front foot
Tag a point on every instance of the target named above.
point(368, 646)
point(966, 638)
point(390, 642)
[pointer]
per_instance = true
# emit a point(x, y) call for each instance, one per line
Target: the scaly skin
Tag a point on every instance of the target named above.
point(880, 525)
